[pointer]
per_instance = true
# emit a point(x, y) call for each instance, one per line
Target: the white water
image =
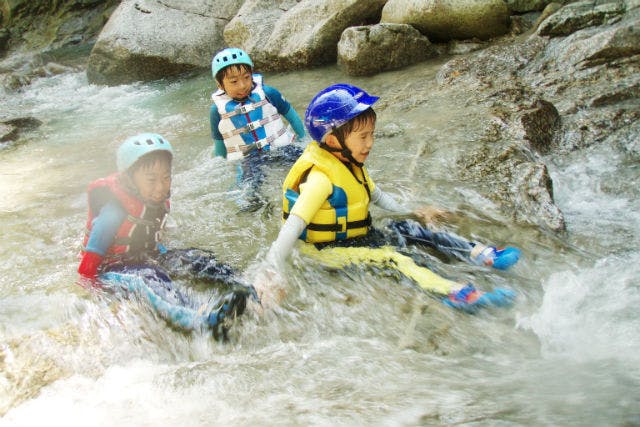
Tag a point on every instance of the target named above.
point(350, 349)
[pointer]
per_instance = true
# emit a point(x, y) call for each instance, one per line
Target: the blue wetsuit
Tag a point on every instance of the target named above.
point(148, 274)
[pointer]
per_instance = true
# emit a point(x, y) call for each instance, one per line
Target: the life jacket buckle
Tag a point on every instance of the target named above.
point(243, 109)
point(253, 126)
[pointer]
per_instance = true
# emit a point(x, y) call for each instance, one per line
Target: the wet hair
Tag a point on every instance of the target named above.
point(150, 159)
point(242, 68)
point(341, 132)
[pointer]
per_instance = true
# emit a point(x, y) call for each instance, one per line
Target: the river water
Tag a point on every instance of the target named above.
point(359, 348)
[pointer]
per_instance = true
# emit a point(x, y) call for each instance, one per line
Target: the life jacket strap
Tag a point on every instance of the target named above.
point(244, 109)
point(251, 126)
point(337, 228)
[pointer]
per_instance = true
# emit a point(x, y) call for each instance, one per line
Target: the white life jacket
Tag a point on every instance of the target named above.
point(251, 123)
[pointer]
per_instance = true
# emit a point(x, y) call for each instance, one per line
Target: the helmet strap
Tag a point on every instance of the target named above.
point(346, 152)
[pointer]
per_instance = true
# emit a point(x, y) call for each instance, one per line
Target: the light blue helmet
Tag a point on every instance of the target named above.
point(334, 106)
point(137, 146)
point(229, 56)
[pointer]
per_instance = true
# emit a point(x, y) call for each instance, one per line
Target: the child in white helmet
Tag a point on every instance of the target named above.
point(122, 247)
point(246, 120)
point(326, 198)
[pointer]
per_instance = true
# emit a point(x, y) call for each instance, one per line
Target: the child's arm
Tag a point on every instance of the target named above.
point(285, 109)
point(103, 232)
point(387, 202)
point(427, 214)
point(219, 149)
point(269, 283)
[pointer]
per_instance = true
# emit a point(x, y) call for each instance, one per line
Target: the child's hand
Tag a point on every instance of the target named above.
point(270, 287)
point(430, 214)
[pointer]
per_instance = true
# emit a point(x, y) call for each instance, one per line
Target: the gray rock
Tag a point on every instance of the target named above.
point(10, 130)
point(586, 49)
point(367, 50)
point(443, 20)
point(538, 125)
point(520, 6)
point(146, 39)
point(305, 35)
point(582, 14)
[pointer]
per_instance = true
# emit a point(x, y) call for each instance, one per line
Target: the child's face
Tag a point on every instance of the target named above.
point(153, 182)
point(237, 83)
point(359, 141)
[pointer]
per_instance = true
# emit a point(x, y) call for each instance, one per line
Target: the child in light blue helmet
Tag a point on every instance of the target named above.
point(122, 248)
point(246, 120)
point(326, 198)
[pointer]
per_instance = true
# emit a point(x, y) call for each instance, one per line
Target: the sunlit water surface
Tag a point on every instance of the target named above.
point(357, 348)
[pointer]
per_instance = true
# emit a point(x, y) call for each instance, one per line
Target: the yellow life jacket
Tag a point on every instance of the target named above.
point(345, 214)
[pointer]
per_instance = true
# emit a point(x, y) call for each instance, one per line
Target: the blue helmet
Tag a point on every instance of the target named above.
point(229, 56)
point(334, 106)
point(137, 146)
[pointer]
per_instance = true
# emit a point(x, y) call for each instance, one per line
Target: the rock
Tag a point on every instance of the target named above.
point(7, 132)
point(582, 14)
point(369, 50)
point(461, 47)
point(146, 39)
point(443, 20)
point(585, 49)
point(10, 130)
point(303, 36)
point(520, 6)
point(533, 197)
point(252, 27)
point(48, 25)
point(628, 138)
point(4, 40)
point(538, 125)
point(551, 8)
point(520, 184)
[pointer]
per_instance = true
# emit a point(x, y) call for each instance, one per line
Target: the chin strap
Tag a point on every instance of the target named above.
point(344, 151)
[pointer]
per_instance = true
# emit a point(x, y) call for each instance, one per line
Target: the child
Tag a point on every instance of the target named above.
point(127, 213)
point(326, 202)
point(246, 119)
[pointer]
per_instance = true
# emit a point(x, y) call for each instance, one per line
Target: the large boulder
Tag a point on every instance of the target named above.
point(147, 39)
point(367, 50)
point(443, 20)
point(302, 36)
point(45, 25)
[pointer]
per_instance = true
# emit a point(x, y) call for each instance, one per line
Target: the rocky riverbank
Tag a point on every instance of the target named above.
point(557, 76)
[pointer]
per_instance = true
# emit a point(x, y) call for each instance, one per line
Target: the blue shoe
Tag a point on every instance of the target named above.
point(228, 306)
point(506, 257)
point(500, 258)
point(469, 299)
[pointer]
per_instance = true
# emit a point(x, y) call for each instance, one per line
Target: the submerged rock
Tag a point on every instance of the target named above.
point(10, 130)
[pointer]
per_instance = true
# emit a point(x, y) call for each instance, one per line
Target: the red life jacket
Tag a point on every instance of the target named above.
point(140, 231)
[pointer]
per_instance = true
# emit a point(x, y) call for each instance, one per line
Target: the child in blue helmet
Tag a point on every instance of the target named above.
point(326, 198)
point(246, 119)
point(122, 248)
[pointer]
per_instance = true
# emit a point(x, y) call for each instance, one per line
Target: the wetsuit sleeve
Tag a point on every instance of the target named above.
point(219, 150)
point(295, 122)
point(105, 227)
point(285, 109)
point(386, 201)
point(314, 192)
point(103, 232)
point(287, 238)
